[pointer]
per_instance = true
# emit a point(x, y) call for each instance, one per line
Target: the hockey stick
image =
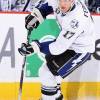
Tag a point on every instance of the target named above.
point(40, 19)
point(26, 5)
point(22, 71)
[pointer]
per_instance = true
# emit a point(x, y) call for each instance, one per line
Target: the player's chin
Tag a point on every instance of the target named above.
point(64, 10)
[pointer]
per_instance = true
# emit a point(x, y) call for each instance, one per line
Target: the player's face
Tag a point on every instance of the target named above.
point(65, 5)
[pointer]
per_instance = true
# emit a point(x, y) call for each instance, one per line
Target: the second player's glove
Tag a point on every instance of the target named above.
point(27, 48)
point(31, 22)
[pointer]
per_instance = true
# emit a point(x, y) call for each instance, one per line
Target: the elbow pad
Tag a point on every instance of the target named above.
point(45, 9)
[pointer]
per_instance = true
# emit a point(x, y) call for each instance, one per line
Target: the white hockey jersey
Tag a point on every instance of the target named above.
point(77, 30)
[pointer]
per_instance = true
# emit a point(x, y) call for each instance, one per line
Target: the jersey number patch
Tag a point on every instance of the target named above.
point(68, 34)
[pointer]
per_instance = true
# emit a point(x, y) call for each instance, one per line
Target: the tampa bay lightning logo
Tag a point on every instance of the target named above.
point(74, 24)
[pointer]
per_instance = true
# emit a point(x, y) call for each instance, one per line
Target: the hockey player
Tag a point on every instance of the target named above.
point(9, 5)
point(5, 5)
point(16, 5)
point(21, 4)
point(69, 50)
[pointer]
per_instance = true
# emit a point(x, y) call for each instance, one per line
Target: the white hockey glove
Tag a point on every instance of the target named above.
point(27, 49)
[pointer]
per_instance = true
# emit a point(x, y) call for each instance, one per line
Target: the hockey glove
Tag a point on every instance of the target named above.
point(25, 49)
point(31, 22)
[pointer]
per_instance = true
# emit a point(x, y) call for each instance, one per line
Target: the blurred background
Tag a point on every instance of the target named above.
point(18, 5)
